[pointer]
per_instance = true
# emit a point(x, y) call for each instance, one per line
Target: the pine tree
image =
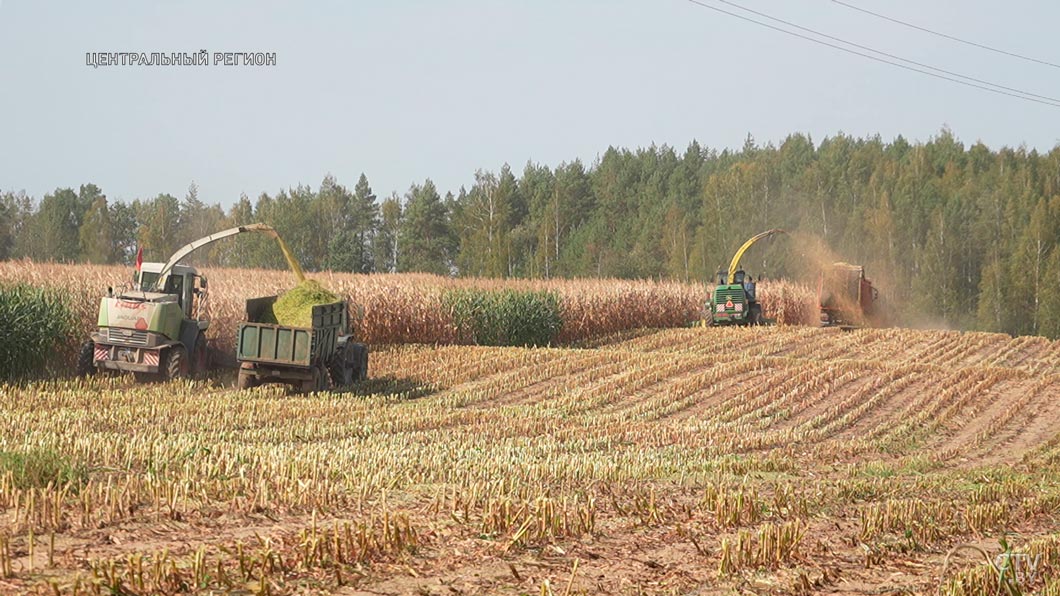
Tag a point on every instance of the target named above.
point(424, 238)
point(364, 212)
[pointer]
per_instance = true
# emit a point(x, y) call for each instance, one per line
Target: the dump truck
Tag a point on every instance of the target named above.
point(733, 301)
point(846, 298)
point(308, 359)
point(156, 328)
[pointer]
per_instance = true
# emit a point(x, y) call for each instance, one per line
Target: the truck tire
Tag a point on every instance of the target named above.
point(86, 359)
point(323, 379)
point(339, 367)
point(319, 382)
point(246, 380)
point(176, 365)
point(362, 371)
point(358, 361)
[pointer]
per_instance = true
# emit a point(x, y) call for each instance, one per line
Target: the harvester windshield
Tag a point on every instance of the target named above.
point(146, 279)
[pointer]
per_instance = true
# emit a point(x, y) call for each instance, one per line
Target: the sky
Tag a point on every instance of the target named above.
point(407, 90)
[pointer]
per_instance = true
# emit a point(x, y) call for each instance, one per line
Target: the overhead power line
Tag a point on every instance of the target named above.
point(991, 87)
point(882, 53)
point(950, 37)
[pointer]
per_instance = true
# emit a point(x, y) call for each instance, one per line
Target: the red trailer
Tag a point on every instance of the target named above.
point(845, 297)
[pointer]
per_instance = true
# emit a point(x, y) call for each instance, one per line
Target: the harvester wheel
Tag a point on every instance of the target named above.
point(755, 315)
point(176, 363)
point(86, 364)
point(200, 357)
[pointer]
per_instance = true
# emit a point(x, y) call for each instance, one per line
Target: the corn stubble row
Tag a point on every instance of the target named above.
point(408, 308)
point(744, 461)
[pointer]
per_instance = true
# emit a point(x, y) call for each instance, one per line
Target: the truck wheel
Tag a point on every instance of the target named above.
point(362, 372)
point(319, 381)
point(176, 366)
point(246, 380)
point(339, 369)
point(323, 380)
point(358, 361)
point(86, 359)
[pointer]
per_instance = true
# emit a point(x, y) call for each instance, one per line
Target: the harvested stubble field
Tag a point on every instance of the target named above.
point(408, 307)
point(687, 461)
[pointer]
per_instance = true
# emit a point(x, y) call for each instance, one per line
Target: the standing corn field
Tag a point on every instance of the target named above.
point(37, 325)
point(414, 308)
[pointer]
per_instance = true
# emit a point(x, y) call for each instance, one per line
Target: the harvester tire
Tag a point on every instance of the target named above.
point(755, 316)
point(86, 364)
point(176, 366)
point(200, 359)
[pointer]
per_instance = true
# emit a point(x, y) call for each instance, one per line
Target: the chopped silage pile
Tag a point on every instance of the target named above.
point(294, 308)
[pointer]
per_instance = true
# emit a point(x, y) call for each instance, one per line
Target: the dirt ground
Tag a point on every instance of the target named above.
point(691, 461)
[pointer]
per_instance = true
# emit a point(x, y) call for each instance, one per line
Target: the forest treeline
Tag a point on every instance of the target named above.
point(961, 234)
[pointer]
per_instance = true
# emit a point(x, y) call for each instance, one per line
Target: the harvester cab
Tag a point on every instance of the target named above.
point(157, 329)
point(182, 281)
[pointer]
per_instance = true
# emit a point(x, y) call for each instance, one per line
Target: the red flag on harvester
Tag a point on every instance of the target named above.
point(139, 257)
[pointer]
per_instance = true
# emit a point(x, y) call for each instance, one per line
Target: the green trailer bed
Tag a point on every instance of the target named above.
point(292, 346)
point(306, 357)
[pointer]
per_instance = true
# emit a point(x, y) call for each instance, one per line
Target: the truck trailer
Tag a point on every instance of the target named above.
point(846, 298)
point(310, 358)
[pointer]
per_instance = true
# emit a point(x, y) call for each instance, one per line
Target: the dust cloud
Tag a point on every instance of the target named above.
point(813, 258)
